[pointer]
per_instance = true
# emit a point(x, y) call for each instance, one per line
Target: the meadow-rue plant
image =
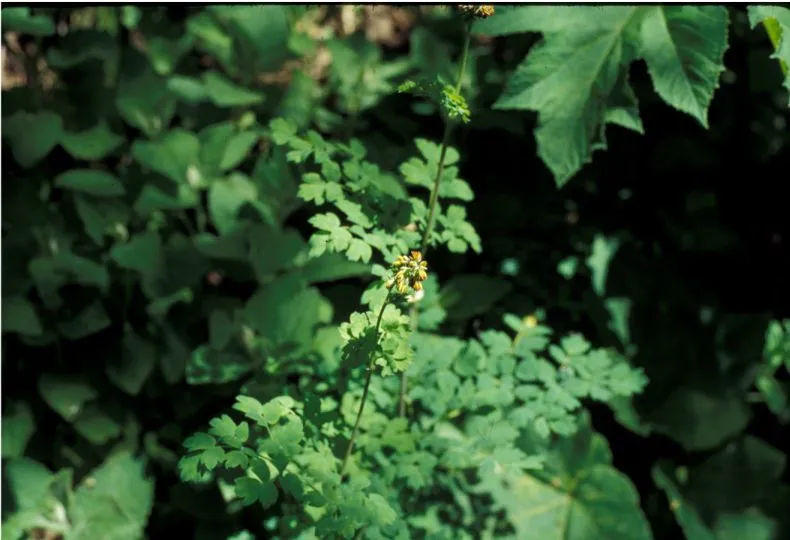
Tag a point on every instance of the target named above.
point(288, 272)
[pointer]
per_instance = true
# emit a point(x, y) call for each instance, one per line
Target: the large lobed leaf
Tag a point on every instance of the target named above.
point(579, 495)
point(576, 78)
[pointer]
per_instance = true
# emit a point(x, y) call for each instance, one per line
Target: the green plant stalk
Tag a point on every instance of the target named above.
point(369, 377)
point(448, 129)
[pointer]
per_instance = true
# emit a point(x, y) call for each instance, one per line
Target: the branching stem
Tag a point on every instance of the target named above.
point(368, 378)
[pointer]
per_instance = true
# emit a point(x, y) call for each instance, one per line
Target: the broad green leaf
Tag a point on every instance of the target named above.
point(684, 50)
point(18, 426)
point(175, 155)
point(214, 39)
point(285, 313)
point(189, 89)
point(519, 19)
point(226, 197)
point(165, 53)
point(29, 484)
point(19, 316)
point(144, 101)
point(129, 370)
point(141, 253)
point(87, 321)
point(92, 182)
point(19, 19)
point(272, 250)
point(465, 296)
point(238, 148)
point(102, 217)
point(66, 395)
point(568, 79)
point(92, 144)
point(32, 135)
point(263, 29)
point(700, 420)
point(113, 502)
point(579, 494)
point(96, 425)
point(225, 93)
point(776, 21)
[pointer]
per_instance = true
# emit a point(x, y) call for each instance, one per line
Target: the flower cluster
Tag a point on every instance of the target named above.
point(410, 271)
point(480, 11)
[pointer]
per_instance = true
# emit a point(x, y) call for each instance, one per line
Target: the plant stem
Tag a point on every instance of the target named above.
point(448, 129)
point(369, 377)
point(464, 56)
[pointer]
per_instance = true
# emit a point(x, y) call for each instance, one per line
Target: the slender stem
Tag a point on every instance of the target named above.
point(464, 57)
point(369, 377)
point(448, 129)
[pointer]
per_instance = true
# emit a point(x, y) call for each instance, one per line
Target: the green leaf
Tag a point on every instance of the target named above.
point(141, 253)
point(226, 197)
point(237, 149)
point(261, 29)
point(165, 53)
point(465, 296)
point(66, 395)
point(776, 21)
point(252, 490)
point(700, 420)
point(684, 50)
point(603, 249)
point(18, 426)
point(272, 250)
point(93, 182)
point(113, 502)
point(32, 136)
point(89, 320)
point(19, 19)
point(567, 79)
point(579, 494)
point(96, 425)
point(285, 313)
point(519, 19)
point(19, 316)
point(688, 518)
point(175, 155)
point(144, 101)
point(359, 251)
point(102, 217)
point(92, 144)
point(224, 93)
point(209, 366)
point(199, 441)
point(189, 89)
point(129, 370)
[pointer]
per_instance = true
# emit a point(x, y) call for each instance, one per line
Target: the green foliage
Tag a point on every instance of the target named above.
point(776, 21)
point(576, 79)
point(113, 501)
point(256, 206)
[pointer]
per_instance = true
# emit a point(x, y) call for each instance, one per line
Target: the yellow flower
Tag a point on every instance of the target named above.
point(480, 11)
point(410, 271)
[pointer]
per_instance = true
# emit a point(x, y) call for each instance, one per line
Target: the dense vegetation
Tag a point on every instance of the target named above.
point(395, 272)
